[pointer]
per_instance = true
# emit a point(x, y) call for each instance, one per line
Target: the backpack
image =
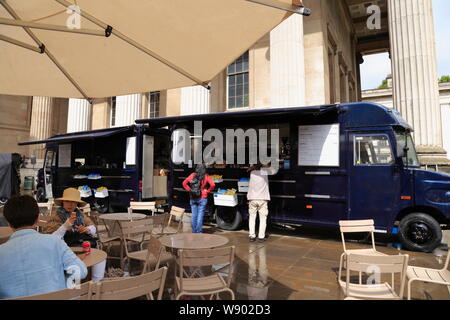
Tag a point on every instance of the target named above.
point(196, 188)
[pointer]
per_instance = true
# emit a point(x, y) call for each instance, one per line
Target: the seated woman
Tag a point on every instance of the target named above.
point(73, 226)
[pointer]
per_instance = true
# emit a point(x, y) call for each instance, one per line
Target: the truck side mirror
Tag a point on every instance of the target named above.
point(401, 149)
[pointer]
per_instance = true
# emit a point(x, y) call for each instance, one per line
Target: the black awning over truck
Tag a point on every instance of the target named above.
point(260, 113)
point(80, 136)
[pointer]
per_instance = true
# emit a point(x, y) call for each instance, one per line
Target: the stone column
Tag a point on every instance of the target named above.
point(287, 63)
point(128, 109)
point(195, 100)
point(41, 124)
point(415, 79)
point(80, 113)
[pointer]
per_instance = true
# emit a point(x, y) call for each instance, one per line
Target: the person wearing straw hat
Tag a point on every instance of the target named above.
point(74, 227)
point(69, 222)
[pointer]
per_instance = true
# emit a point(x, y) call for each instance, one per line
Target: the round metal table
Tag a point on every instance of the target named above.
point(95, 257)
point(5, 233)
point(193, 241)
point(122, 216)
point(115, 218)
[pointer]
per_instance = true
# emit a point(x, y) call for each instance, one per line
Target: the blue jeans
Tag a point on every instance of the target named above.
point(198, 210)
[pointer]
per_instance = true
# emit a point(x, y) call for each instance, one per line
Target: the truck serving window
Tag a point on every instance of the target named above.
point(373, 150)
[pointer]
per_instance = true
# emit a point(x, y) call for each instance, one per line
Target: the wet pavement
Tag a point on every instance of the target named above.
point(300, 263)
point(303, 264)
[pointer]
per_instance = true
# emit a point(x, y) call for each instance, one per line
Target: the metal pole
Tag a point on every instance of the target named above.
point(20, 43)
point(51, 27)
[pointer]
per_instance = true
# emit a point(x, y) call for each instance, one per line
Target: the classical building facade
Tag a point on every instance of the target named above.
point(304, 61)
point(384, 97)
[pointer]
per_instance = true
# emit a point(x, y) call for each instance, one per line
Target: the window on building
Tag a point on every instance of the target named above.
point(331, 76)
point(153, 100)
point(113, 111)
point(237, 83)
point(373, 150)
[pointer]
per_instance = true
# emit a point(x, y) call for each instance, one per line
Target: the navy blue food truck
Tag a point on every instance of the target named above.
point(337, 162)
point(110, 167)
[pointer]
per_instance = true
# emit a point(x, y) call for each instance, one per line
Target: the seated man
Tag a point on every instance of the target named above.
point(33, 263)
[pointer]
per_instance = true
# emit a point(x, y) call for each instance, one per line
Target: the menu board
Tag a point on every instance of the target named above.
point(131, 151)
point(64, 155)
point(318, 146)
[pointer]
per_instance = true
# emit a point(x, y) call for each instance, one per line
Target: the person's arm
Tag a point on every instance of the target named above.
point(63, 229)
point(71, 261)
point(186, 182)
point(211, 183)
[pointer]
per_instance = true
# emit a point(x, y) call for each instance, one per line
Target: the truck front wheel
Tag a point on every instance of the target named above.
point(420, 232)
point(228, 218)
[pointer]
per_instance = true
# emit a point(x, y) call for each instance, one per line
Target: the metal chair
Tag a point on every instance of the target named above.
point(42, 222)
point(197, 284)
point(147, 206)
point(153, 256)
point(377, 265)
point(159, 223)
point(176, 213)
point(428, 275)
point(131, 287)
point(357, 226)
point(83, 293)
point(135, 232)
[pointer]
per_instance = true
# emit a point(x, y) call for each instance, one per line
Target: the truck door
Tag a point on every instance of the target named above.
point(155, 166)
point(49, 164)
point(374, 179)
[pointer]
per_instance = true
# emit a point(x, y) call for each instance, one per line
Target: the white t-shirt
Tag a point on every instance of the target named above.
point(258, 187)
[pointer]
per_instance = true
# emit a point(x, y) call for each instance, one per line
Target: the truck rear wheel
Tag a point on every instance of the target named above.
point(40, 195)
point(228, 218)
point(420, 232)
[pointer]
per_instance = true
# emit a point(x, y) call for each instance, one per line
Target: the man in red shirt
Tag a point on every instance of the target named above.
point(195, 184)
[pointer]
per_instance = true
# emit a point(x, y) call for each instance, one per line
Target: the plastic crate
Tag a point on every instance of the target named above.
point(225, 200)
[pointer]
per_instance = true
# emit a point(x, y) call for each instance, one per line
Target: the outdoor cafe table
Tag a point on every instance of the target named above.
point(96, 256)
point(193, 241)
point(5, 233)
point(116, 217)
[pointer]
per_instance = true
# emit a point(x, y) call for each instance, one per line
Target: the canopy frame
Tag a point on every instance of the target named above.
point(40, 49)
point(137, 45)
point(51, 27)
point(45, 50)
point(299, 9)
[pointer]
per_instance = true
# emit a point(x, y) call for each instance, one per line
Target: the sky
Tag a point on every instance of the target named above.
point(376, 67)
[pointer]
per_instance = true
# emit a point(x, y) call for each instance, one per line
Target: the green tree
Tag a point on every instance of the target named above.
point(384, 84)
point(444, 79)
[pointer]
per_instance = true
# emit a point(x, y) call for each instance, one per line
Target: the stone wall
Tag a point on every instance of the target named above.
point(15, 121)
